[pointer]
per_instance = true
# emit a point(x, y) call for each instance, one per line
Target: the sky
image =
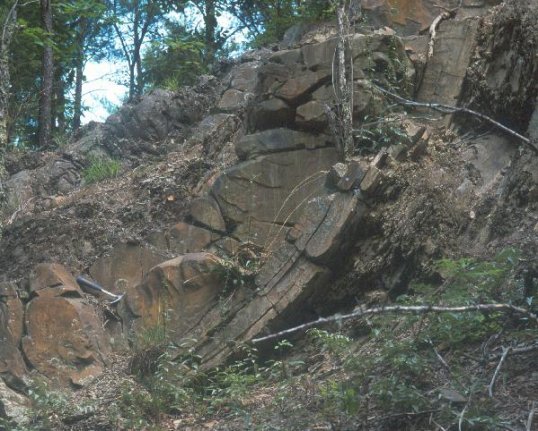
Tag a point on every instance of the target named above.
point(101, 84)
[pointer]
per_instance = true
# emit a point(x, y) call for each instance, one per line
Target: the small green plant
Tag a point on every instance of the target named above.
point(101, 169)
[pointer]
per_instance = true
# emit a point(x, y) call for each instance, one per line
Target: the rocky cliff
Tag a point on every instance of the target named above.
point(235, 216)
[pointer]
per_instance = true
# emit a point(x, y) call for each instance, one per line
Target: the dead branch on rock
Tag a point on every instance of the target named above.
point(414, 309)
point(517, 351)
point(447, 109)
point(506, 350)
point(447, 14)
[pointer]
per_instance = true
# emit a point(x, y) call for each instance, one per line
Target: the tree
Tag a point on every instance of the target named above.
point(133, 20)
point(7, 30)
point(47, 78)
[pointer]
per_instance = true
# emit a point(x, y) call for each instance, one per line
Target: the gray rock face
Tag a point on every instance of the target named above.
point(272, 188)
point(206, 211)
point(445, 71)
point(161, 112)
point(278, 140)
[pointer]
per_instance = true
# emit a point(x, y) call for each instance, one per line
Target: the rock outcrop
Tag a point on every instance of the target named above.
point(260, 244)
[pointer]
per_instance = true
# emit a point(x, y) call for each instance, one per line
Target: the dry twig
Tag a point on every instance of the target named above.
point(416, 309)
point(531, 416)
point(506, 350)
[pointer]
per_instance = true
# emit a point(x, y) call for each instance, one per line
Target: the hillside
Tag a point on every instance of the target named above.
point(226, 211)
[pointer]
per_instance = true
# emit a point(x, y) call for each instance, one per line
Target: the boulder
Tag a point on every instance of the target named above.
point(287, 57)
point(65, 340)
point(175, 295)
point(278, 140)
point(245, 77)
point(319, 56)
point(206, 211)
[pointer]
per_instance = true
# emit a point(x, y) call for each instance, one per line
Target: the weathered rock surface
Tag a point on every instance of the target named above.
point(13, 406)
point(175, 295)
point(272, 188)
point(278, 140)
point(12, 367)
point(127, 261)
point(65, 339)
point(206, 211)
point(445, 71)
point(52, 279)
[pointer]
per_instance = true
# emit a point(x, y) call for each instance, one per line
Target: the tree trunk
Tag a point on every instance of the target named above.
point(45, 102)
point(210, 22)
point(79, 73)
point(6, 32)
point(344, 83)
point(59, 123)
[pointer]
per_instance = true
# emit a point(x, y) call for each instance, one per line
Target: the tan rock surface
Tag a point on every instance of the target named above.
point(175, 294)
point(65, 340)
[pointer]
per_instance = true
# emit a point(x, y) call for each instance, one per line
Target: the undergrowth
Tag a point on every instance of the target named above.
point(404, 372)
point(101, 169)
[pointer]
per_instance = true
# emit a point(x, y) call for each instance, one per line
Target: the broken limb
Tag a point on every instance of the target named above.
point(433, 27)
point(506, 350)
point(447, 109)
point(415, 309)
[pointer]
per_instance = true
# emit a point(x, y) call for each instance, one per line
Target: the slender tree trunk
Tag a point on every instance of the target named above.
point(210, 22)
point(344, 83)
point(132, 83)
point(58, 118)
point(45, 102)
point(77, 103)
point(79, 74)
point(139, 73)
point(6, 34)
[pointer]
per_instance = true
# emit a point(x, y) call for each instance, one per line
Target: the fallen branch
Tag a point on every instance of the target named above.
point(531, 416)
point(447, 109)
point(415, 309)
point(506, 350)
point(517, 351)
point(433, 27)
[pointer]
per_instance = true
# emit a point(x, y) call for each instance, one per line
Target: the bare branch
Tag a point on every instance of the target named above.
point(506, 350)
point(447, 109)
point(414, 309)
point(531, 417)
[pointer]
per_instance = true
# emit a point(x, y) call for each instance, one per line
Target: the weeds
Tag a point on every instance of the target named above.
point(101, 169)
